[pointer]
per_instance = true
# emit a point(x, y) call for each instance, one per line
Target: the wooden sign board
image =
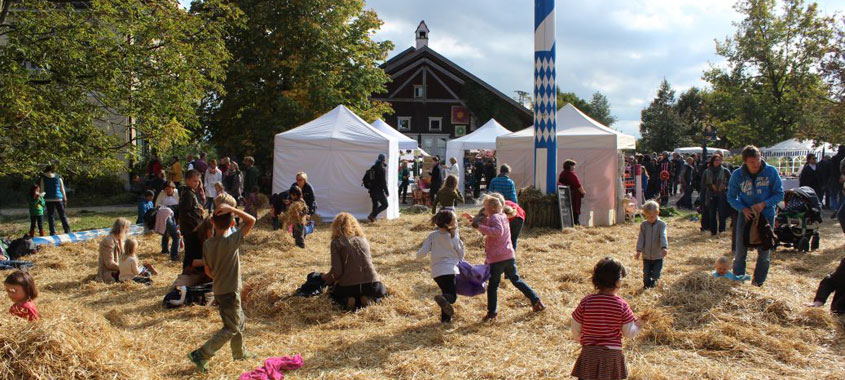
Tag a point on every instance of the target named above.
point(564, 198)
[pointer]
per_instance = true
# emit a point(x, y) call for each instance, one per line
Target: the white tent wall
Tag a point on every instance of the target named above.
point(405, 142)
point(598, 208)
point(335, 154)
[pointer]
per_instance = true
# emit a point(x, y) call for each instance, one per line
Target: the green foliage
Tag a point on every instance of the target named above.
point(770, 89)
point(291, 62)
point(597, 108)
point(74, 79)
point(662, 127)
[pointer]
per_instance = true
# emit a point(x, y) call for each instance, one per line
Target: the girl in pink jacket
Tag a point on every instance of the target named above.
point(500, 256)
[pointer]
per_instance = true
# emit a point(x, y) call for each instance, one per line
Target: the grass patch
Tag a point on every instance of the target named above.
point(16, 226)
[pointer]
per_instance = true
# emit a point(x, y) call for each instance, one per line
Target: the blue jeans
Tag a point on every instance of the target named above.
point(57, 207)
point(508, 267)
point(651, 272)
point(171, 231)
point(761, 270)
point(718, 204)
point(834, 193)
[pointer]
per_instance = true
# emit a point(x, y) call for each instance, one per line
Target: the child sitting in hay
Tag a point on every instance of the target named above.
point(599, 323)
point(721, 270)
point(832, 283)
point(108, 270)
point(130, 270)
point(447, 251)
point(652, 244)
point(499, 253)
point(222, 263)
point(20, 287)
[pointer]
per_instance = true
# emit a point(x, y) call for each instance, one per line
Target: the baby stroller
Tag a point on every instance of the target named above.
point(796, 224)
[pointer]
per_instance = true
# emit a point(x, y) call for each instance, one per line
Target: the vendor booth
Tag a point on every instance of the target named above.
point(790, 155)
point(483, 138)
point(596, 149)
point(336, 150)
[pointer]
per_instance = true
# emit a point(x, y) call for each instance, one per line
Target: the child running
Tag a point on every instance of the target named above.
point(222, 263)
point(652, 244)
point(20, 287)
point(129, 268)
point(599, 323)
point(500, 256)
point(447, 251)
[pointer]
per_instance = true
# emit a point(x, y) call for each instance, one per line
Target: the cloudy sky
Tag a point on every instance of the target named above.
point(623, 48)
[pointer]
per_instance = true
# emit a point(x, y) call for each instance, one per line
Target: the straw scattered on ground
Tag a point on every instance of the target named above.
point(697, 326)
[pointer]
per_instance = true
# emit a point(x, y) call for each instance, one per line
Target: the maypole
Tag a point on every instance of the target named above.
point(545, 97)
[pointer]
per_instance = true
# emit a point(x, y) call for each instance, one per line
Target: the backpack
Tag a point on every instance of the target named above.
point(188, 295)
point(150, 218)
point(369, 178)
point(21, 247)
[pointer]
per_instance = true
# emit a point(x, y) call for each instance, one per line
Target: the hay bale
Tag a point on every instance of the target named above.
point(66, 348)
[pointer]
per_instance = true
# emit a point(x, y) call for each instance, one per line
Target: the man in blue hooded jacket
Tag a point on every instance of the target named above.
point(753, 188)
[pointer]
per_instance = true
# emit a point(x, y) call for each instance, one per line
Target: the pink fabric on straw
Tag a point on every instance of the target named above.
point(273, 368)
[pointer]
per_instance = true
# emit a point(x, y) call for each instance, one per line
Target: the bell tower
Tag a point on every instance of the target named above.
point(422, 35)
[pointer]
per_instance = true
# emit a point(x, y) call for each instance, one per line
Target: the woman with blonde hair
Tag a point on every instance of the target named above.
point(110, 250)
point(354, 279)
point(448, 195)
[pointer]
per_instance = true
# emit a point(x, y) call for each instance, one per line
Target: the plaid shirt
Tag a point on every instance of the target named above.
point(503, 185)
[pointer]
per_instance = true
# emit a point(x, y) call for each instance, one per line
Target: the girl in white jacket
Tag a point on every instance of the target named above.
point(447, 251)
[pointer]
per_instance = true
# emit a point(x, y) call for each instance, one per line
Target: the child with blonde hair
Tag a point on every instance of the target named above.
point(599, 323)
point(446, 251)
point(499, 252)
point(20, 287)
point(130, 270)
point(652, 244)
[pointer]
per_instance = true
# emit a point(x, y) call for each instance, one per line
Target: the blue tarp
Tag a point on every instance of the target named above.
point(75, 237)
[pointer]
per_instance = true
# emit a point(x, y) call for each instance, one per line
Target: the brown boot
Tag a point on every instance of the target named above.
point(31, 234)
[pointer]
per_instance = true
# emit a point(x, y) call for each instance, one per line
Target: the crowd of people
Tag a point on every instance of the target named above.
point(200, 211)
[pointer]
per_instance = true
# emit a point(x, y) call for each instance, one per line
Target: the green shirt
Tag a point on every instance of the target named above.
point(222, 258)
point(36, 206)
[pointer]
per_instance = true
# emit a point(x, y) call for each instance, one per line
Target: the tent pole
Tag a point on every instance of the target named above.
point(545, 97)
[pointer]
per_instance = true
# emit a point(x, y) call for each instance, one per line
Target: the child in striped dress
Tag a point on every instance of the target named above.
point(599, 323)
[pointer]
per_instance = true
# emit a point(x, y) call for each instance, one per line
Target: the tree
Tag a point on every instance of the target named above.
point(77, 80)
point(770, 84)
point(293, 61)
point(830, 122)
point(597, 108)
point(662, 127)
point(600, 109)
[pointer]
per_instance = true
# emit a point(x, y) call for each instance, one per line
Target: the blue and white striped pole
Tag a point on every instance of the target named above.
point(545, 97)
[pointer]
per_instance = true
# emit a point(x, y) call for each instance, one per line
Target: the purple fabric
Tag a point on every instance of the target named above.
point(471, 278)
point(273, 368)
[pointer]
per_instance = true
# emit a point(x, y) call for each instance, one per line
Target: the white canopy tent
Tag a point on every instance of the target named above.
point(697, 149)
point(405, 142)
point(789, 156)
point(592, 145)
point(483, 138)
point(335, 150)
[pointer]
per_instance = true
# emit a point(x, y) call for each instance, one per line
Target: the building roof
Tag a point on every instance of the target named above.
point(412, 54)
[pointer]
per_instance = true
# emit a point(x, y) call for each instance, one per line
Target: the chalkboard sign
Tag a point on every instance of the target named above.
point(564, 200)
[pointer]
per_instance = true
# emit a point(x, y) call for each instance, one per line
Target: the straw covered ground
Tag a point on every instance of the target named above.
point(698, 327)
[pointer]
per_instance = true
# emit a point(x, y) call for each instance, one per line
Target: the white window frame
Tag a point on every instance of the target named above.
point(439, 121)
point(399, 121)
point(418, 87)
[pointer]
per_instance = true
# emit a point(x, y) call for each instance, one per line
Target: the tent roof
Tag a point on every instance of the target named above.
point(571, 122)
point(697, 149)
point(405, 142)
point(797, 146)
point(339, 124)
point(483, 137)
